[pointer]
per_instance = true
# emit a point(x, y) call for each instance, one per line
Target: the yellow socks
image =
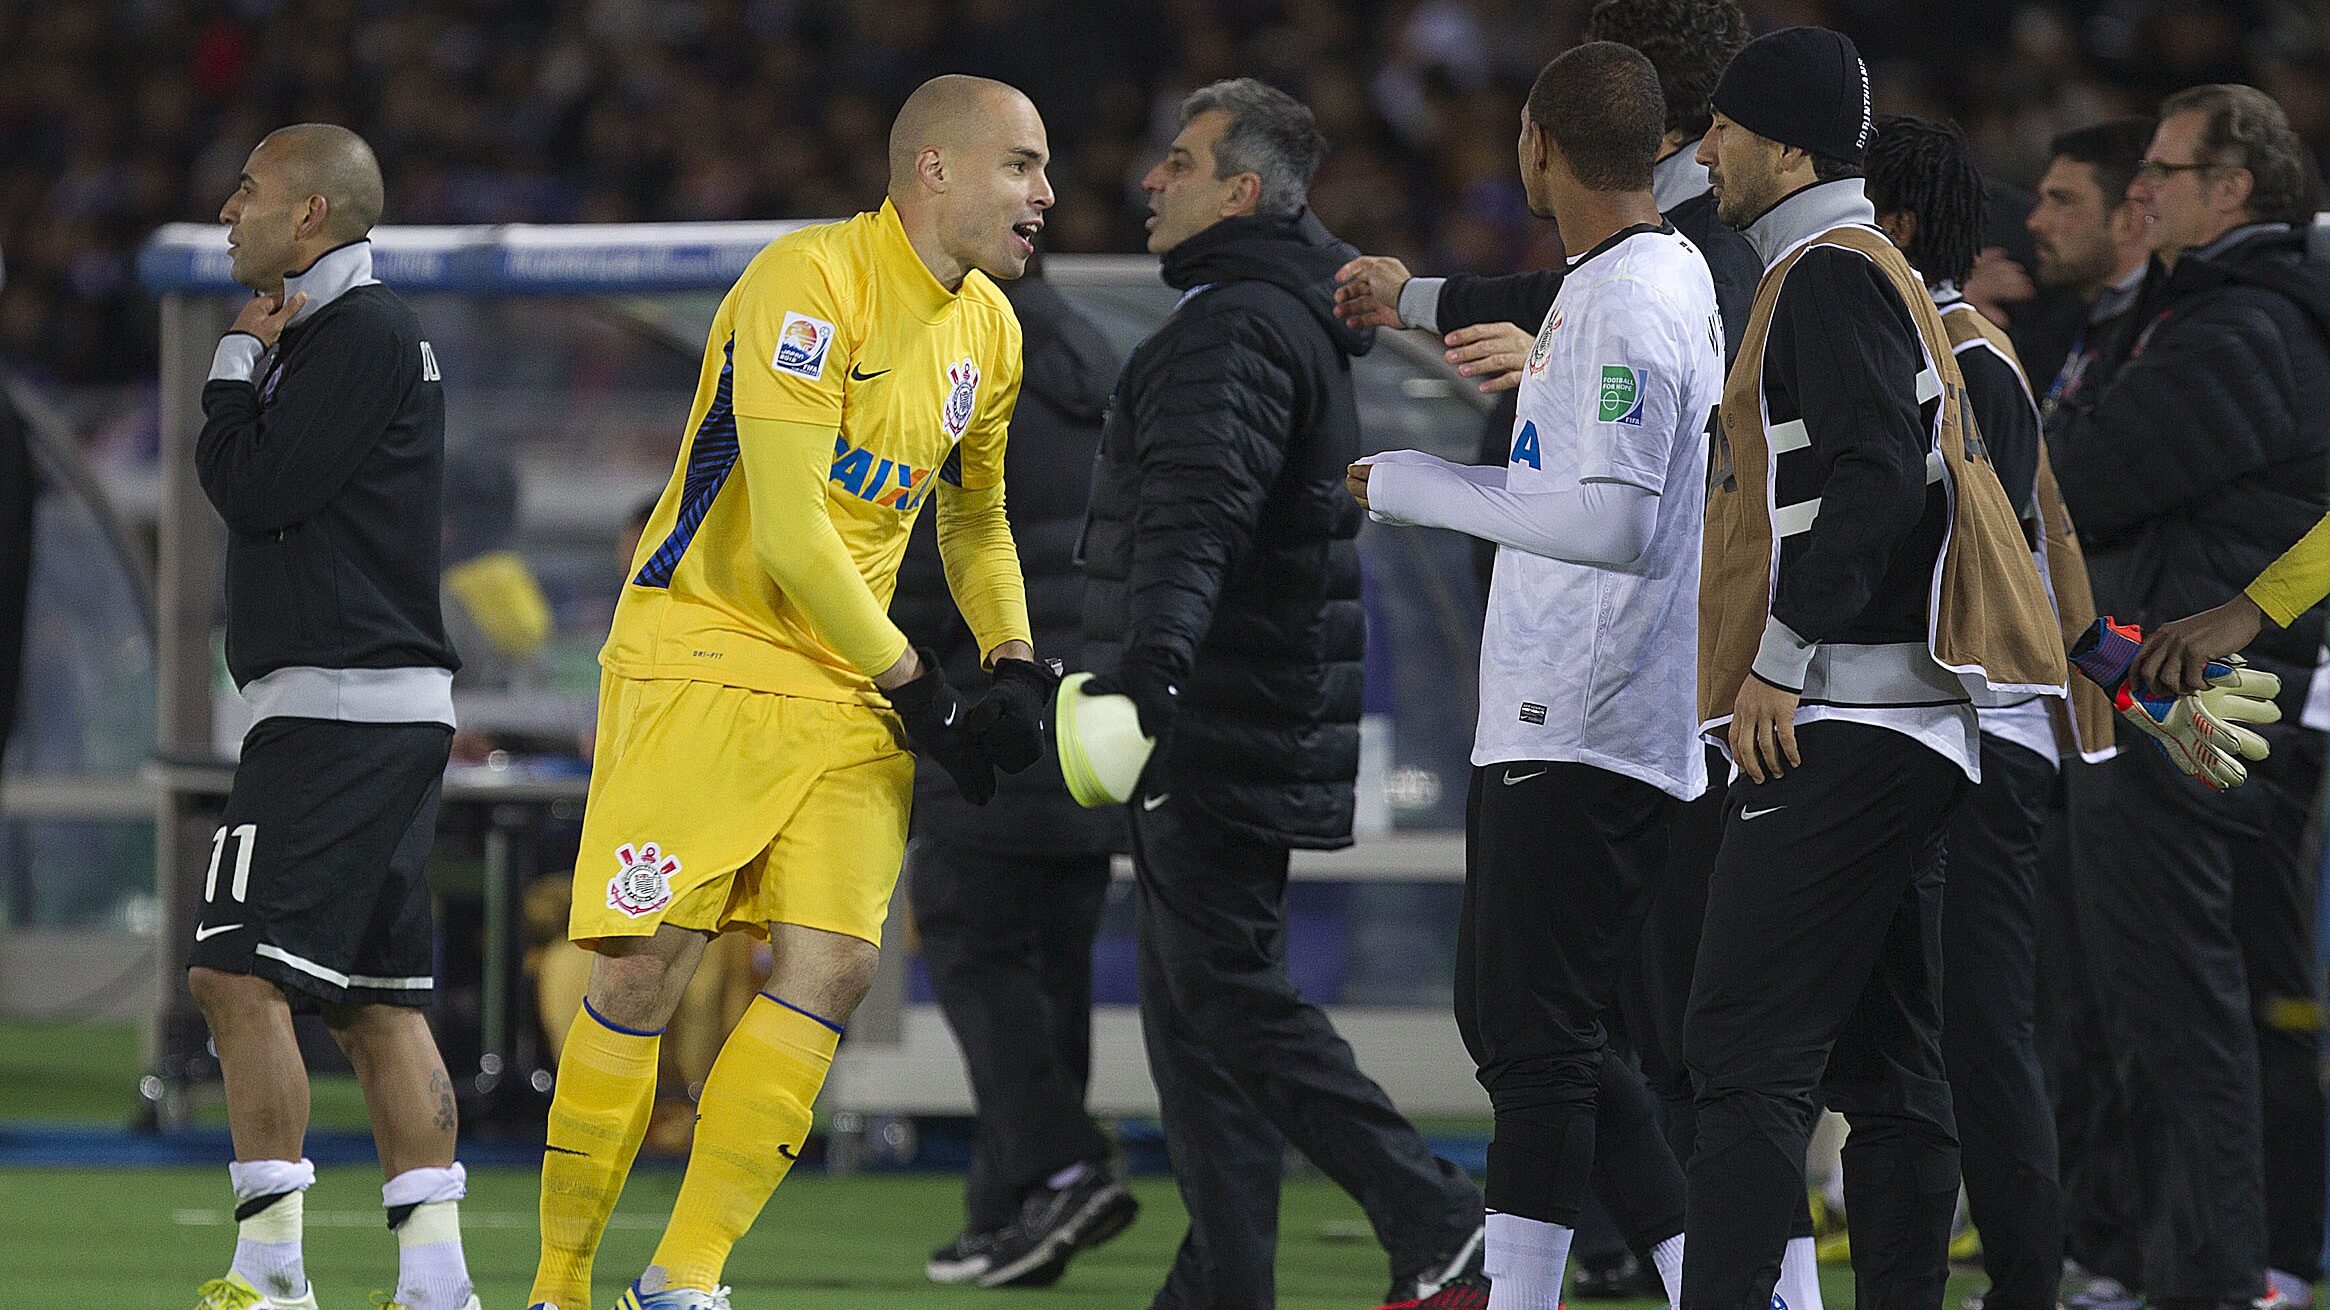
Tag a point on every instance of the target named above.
point(606, 1085)
point(754, 1120)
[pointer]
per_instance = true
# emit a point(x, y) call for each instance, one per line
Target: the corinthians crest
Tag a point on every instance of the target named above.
point(642, 883)
point(962, 397)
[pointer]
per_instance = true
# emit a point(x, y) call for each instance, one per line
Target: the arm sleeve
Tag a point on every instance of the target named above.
point(1209, 438)
point(982, 565)
point(1486, 475)
point(2193, 412)
point(266, 469)
point(974, 534)
point(1522, 299)
point(1602, 523)
point(786, 466)
point(1633, 383)
point(2298, 580)
point(796, 335)
point(1851, 356)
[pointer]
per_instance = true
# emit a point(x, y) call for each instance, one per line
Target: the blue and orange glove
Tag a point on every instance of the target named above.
point(2201, 733)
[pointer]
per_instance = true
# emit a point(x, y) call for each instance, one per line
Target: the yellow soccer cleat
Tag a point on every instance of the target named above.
point(653, 1291)
point(234, 1292)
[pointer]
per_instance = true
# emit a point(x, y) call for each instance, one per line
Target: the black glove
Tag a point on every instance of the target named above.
point(1154, 693)
point(939, 726)
point(1010, 721)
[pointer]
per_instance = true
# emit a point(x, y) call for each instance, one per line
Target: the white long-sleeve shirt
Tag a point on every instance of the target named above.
point(1589, 652)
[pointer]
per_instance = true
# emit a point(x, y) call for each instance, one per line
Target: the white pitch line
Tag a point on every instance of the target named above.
point(500, 1220)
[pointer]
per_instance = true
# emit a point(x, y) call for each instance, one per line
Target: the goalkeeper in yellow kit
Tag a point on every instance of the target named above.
point(758, 707)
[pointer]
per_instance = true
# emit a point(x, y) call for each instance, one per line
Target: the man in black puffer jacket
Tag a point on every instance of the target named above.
point(1007, 896)
point(2193, 456)
point(1223, 598)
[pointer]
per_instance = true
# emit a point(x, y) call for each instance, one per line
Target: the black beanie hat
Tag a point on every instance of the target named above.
point(1800, 86)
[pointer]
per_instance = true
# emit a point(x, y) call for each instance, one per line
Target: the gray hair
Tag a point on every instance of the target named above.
point(1270, 134)
point(2244, 128)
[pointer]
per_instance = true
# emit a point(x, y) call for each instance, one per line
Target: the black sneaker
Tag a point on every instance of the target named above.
point(1463, 1292)
point(1054, 1224)
point(963, 1259)
point(1613, 1276)
point(1449, 1271)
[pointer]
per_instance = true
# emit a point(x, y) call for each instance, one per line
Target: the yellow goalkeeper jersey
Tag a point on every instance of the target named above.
point(2298, 580)
point(841, 327)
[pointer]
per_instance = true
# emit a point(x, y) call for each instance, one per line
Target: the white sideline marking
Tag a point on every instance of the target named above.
point(500, 1220)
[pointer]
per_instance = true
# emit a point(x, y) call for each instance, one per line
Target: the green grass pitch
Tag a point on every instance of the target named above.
point(142, 1240)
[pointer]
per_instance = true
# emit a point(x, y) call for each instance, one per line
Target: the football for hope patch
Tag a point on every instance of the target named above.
point(1621, 395)
point(802, 345)
point(642, 881)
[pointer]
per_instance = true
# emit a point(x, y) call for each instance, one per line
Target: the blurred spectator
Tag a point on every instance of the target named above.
point(494, 607)
point(1007, 897)
point(117, 115)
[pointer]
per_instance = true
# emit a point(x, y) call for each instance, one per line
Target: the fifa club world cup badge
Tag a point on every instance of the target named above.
point(961, 397)
point(642, 883)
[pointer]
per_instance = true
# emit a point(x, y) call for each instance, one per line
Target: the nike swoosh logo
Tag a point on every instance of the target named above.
point(202, 934)
point(786, 1151)
point(563, 1150)
point(1757, 814)
point(950, 721)
point(856, 376)
point(1152, 802)
point(1510, 779)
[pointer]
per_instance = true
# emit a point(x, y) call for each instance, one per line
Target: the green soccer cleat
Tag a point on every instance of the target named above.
point(234, 1292)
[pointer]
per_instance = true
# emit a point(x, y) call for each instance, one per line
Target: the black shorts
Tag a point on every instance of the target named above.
point(317, 878)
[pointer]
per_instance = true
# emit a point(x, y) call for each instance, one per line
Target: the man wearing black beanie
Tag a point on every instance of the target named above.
point(1844, 636)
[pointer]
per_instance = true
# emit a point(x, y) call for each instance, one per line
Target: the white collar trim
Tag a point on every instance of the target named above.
point(334, 274)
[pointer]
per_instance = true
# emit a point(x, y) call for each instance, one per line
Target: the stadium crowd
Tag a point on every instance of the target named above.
point(117, 115)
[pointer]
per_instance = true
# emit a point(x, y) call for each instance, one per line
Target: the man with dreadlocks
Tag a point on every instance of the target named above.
point(1929, 201)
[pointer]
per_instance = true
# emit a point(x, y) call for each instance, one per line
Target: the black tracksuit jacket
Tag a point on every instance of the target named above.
point(1222, 545)
point(328, 472)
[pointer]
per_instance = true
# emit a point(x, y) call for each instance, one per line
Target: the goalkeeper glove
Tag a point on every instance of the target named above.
point(939, 727)
point(2202, 733)
point(1010, 721)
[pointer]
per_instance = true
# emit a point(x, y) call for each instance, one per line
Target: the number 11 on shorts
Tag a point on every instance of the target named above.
point(245, 834)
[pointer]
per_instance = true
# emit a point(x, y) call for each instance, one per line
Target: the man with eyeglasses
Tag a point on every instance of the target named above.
point(2192, 457)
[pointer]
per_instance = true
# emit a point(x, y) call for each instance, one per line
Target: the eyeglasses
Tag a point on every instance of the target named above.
point(2154, 171)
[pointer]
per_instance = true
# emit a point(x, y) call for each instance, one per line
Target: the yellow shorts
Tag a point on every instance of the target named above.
point(714, 807)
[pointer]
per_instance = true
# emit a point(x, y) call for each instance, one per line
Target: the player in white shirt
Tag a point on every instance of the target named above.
point(1588, 735)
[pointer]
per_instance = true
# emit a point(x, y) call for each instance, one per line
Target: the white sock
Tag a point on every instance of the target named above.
point(267, 1246)
point(431, 1273)
point(1799, 1287)
point(1668, 1256)
point(1524, 1259)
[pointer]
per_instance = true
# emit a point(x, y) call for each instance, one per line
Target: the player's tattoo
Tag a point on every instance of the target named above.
point(442, 1088)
